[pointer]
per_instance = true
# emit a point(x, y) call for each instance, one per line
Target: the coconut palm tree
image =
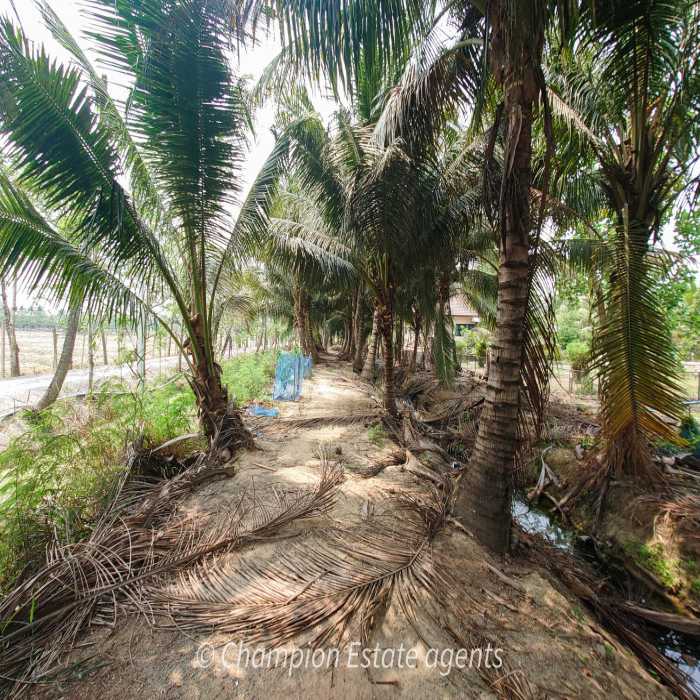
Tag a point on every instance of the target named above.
point(64, 361)
point(300, 242)
point(627, 99)
point(126, 208)
point(497, 52)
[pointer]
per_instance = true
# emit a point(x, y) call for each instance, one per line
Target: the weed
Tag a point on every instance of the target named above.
point(577, 612)
point(651, 557)
point(249, 377)
point(377, 435)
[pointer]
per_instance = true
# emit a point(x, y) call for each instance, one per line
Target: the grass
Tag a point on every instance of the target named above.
point(651, 557)
point(249, 377)
point(56, 477)
point(377, 435)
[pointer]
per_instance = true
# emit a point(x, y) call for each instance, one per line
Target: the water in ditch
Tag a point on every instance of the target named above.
point(683, 650)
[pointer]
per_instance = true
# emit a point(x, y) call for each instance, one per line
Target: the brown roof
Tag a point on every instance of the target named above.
point(460, 307)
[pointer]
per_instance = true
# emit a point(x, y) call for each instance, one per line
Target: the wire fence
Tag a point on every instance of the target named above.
point(570, 383)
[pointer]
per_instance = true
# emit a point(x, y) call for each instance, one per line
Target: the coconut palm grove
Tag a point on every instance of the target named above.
point(350, 348)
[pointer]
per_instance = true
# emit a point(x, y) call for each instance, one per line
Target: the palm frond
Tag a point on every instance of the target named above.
point(47, 262)
point(635, 359)
point(61, 150)
point(142, 180)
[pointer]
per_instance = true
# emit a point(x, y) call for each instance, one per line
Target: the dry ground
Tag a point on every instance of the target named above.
point(550, 646)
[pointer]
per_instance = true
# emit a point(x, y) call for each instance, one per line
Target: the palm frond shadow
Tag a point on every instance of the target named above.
point(335, 587)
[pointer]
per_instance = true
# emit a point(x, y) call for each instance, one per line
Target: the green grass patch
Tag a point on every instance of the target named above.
point(651, 557)
point(249, 377)
point(377, 435)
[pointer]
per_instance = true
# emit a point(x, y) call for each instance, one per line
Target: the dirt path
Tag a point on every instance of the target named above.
point(542, 644)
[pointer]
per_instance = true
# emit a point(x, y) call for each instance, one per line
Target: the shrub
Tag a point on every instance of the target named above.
point(377, 435)
point(249, 377)
point(579, 355)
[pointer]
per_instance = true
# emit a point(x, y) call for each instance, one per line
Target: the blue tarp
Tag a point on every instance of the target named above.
point(292, 369)
point(255, 410)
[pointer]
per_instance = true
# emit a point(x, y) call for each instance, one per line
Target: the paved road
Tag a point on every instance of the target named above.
point(25, 391)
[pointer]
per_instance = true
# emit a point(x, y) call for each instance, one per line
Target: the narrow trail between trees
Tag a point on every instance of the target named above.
point(343, 549)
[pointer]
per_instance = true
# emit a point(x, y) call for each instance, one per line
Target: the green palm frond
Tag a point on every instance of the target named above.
point(60, 149)
point(301, 245)
point(437, 82)
point(635, 358)
point(444, 347)
point(142, 180)
point(47, 262)
point(338, 41)
point(480, 288)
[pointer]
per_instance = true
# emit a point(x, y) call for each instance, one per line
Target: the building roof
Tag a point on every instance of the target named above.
point(460, 307)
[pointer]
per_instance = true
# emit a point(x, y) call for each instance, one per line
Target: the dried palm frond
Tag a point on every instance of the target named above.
point(377, 466)
point(682, 510)
point(328, 587)
point(328, 419)
point(137, 538)
point(614, 616)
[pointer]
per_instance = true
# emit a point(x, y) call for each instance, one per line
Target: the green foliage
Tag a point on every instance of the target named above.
point(579, 355)
point(573, 323)
point(58, 472)
point(56, 476)
point(652, 558)
point(695, 587)
point(474, 342)
point(481, 347)
point(377, 435)
point(249, 377)
point(678, 289)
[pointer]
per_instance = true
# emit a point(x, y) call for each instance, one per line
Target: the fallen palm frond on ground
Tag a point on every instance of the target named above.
point(612, 615)
point(682, 509)
point(321, 586)
point(376, 467)
point(138, 537)
point(317, 421)
point(335, 587)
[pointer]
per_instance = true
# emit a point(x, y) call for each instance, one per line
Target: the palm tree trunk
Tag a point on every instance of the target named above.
point(105, 356)
point(386, 325)
point(371, 359)
point(91, 358)
point(64, 362)
point(484, 501)
point(220, 421)
point(416, 339)
point(427, 359)
point(10, 332)
point(358, 331)
point(398, 350)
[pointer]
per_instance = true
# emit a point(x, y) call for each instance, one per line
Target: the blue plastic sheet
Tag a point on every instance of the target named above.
point(291, 370)
point(255, 410)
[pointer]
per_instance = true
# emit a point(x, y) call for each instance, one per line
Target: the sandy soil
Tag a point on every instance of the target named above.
point(549, 646)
